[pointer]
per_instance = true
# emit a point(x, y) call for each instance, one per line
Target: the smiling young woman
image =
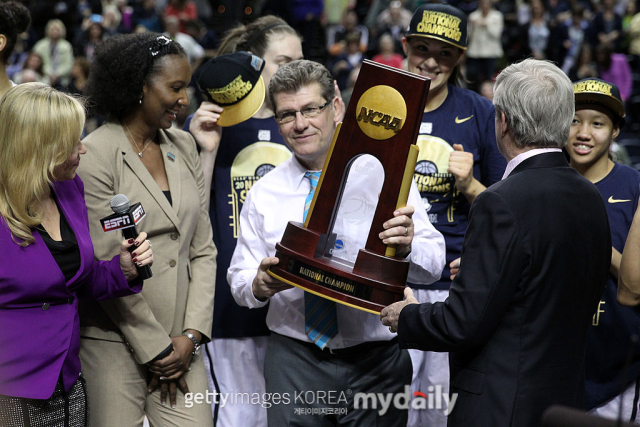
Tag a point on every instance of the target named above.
point(458, 159)
point(597, 121)
point(140, 81)
point(437, 60)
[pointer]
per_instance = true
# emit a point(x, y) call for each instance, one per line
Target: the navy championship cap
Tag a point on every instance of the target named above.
point(596, 91)
point(235, 83)
point(441, 22)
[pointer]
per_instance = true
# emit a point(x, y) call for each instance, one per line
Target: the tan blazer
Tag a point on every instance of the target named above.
point(180, 294)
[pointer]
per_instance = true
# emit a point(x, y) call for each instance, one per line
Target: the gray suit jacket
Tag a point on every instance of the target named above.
point(180, 294)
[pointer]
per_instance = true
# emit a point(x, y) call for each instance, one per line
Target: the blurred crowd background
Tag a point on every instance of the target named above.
point(597, 38)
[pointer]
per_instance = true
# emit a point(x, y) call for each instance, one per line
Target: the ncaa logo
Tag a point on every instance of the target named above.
point(339, 244)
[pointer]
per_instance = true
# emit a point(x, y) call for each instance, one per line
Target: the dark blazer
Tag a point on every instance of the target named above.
point(39, 324)
point(534, 264)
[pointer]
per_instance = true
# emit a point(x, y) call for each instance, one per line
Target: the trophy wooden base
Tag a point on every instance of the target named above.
point(375, 281)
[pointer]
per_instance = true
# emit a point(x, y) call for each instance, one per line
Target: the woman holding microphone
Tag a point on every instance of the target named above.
point(47, 259)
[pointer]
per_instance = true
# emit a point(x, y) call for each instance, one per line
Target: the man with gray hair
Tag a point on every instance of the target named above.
point(534, 262)
point(319, 375)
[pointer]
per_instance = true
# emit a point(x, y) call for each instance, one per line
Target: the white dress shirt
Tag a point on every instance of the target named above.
point(278, 198)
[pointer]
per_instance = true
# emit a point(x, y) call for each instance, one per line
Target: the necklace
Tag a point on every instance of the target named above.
point(134, 142)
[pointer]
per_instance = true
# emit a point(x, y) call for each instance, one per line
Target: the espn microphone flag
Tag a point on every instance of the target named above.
point(122, 218)
point(126, 218)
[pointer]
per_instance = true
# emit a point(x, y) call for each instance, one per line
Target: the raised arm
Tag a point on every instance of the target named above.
point(207, 133)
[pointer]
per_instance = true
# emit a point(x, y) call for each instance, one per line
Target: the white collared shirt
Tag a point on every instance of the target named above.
point(278, 198)
point(513, 163)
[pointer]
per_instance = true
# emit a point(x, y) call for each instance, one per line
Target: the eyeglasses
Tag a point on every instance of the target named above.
point(307, 112)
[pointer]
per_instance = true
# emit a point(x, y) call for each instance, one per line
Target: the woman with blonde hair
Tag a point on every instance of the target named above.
point(47, 258)
point(56, 53)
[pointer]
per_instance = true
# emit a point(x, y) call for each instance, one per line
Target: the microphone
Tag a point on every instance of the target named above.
point(562, 416)
point(126, 218)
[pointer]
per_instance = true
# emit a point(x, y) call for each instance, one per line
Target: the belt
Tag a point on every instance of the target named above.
point(348, 351)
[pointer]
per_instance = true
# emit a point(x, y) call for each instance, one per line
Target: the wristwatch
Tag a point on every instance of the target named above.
point(196, 344)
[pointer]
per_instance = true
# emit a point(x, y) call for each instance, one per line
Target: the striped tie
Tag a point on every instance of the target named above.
point(320, 320)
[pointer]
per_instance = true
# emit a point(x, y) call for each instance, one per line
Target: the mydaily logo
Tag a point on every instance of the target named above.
point(433, 399)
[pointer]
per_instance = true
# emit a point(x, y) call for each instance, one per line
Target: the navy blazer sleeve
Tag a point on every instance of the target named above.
point(493, 261)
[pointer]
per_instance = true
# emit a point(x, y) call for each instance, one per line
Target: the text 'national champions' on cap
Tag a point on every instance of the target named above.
point(596, 91)
point(441, 22)
point(235, 83)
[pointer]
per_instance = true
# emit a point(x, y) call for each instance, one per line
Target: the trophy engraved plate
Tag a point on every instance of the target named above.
point(382, 120)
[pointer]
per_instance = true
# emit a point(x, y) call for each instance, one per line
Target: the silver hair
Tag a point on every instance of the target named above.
point(295, 75)
point(537, 100)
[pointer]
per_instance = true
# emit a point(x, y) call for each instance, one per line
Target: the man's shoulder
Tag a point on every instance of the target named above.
point(551, 192)
point(542, 177)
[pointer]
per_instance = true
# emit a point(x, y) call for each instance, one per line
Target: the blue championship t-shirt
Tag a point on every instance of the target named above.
point(247, 152)
point(608, 341)
point(464, 118)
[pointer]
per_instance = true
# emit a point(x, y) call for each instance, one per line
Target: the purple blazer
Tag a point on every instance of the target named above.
point(39, 325)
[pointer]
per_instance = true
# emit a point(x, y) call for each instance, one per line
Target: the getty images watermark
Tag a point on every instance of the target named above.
point(310, 402)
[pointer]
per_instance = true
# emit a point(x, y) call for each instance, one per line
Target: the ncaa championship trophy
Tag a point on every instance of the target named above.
point(382, 119)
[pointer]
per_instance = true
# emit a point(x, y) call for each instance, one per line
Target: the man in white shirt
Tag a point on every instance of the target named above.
point(308, 385)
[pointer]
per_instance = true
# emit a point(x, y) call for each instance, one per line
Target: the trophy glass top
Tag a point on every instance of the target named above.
point(355, 212)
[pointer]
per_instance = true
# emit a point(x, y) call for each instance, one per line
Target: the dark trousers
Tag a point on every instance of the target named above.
point(316, 388)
